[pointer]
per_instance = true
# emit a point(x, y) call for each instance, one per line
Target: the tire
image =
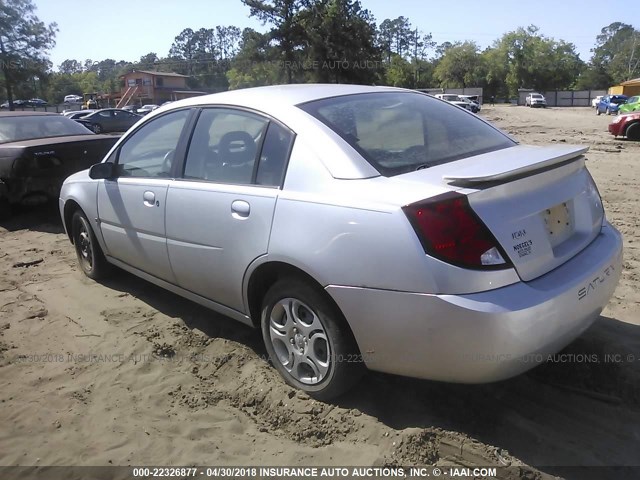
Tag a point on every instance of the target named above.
point(633, 131)
point(96, 127)
point(598, 112)
point(308, 340)
point(5, 209)
point(90, 257)
point(608, 111)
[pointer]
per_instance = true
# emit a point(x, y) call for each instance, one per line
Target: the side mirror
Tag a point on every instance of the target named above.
point(101, 171)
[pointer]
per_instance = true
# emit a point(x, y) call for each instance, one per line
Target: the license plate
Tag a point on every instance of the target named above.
point(558, 221)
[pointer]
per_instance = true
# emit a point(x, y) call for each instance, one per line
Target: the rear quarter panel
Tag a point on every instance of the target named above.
point(355, 233)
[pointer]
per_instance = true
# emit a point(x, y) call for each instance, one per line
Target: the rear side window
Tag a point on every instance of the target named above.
point(274, 156)
point(404, 131)
point(238, 147)
point(224, 146)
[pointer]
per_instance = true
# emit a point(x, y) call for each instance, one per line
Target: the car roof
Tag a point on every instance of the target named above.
point(26, 113)
point(280, 95)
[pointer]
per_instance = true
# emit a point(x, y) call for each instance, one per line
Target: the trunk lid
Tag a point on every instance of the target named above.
point(540, 203)
point(60, 157)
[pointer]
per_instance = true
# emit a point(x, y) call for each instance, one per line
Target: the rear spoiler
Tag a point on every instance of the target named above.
point(511, 162)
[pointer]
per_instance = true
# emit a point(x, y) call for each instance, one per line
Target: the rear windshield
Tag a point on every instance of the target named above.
point(618, 100)
point(27, 127)
point(398, 132)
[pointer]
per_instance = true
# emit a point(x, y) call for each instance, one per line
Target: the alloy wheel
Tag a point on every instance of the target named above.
point(300, 341)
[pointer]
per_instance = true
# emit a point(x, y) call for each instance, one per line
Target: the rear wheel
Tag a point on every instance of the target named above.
point(633, 131)
point(97, 128)
point(90, 256)
point(308, 340)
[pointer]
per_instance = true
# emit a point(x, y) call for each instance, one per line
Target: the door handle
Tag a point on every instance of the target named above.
point(149, 199)
point(240, 209)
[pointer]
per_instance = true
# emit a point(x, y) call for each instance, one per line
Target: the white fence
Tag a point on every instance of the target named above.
point(565, 98)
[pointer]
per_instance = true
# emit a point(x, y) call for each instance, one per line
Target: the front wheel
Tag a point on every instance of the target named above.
point(90, 256)
point(598, 112)
point(308, 340)
point(608, 111)
point(633, 131)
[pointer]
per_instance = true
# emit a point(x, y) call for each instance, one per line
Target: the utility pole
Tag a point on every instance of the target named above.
point(415, 59)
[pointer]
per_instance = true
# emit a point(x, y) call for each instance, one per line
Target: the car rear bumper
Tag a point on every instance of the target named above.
point(614, 129)
point(486, 336)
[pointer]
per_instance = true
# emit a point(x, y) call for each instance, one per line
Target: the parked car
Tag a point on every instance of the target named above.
point(130, 108)
point(475, 102)
point(609, 104)
point(472, 106)
point(631, 105)
point(36, 102)
point(74, 115)
point(109, 120)
point(355, 226)
point(38, 151)
point(535, 100)
point(16, 103)
point(595, 101)
point(73, 99)
point(146, 109)
point(454, 100)
point(626, 125)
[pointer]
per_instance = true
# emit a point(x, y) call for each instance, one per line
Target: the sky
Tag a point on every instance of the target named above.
point(128, 29)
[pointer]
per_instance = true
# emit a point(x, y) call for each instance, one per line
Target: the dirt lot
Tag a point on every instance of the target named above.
point(124, 373)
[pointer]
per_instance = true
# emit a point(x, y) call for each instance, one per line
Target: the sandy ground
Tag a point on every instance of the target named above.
point(124, 373)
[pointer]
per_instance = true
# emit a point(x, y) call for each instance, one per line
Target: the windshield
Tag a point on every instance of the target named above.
point(400, 132)
point(27, 127)
point(633, 100)
point(536, 96)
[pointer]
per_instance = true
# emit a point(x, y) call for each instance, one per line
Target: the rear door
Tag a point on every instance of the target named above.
point(131, 206)
point(219, 213)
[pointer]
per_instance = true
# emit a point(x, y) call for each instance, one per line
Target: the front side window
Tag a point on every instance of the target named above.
point(401, 132)
point(150, 150)
point(224, 146)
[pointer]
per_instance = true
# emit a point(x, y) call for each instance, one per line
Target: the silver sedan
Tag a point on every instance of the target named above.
point(357, 227)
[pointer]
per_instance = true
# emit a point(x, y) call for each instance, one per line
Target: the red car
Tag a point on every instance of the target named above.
point(627, 125)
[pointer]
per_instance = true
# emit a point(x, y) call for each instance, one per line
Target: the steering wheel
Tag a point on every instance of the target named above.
point(168, 161)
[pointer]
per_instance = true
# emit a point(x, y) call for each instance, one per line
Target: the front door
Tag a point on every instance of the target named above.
point(132, 206)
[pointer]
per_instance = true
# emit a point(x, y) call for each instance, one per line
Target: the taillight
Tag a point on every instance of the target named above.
point(450, 230)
